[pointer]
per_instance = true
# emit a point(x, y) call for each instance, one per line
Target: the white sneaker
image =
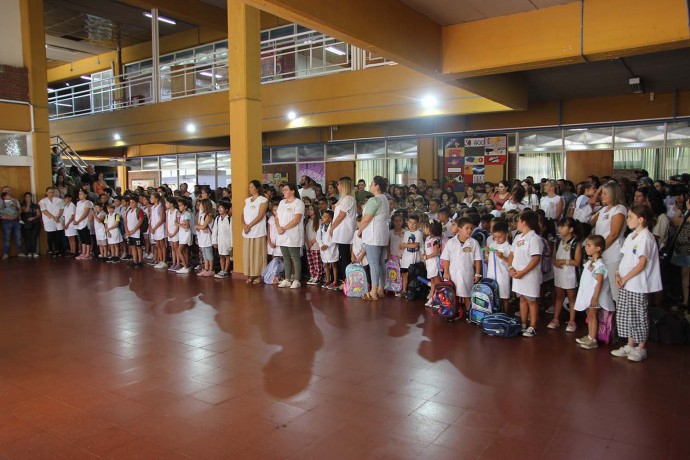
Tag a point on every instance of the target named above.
point(428, 303)
point(622, 352)
point(295, 285)
point(21, 254)
point(529, 332)
point(183, 271)
point(581, 340)
point(637, 354)
point(589, 343)
point(284, 284)
point(161, 265)
point(35, 254)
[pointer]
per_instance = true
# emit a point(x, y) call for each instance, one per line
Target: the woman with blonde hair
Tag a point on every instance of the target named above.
point(344, 223)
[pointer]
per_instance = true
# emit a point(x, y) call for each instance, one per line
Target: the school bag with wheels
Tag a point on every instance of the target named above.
point(667, 328)
point(273, 271)
point(501, 325)
point(444, 302)
point(356, 284)
point(484, 300)
point(393, 281)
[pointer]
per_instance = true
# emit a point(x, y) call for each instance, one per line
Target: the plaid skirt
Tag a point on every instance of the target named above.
point(631, 315)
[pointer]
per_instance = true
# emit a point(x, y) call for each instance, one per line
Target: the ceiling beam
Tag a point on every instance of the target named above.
point(387, 28)
point(190, 11)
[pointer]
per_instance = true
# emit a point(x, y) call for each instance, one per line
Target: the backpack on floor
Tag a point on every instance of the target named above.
point(356, 284)
point(393, 281)
point(416, 289)
point(501, 325)
point(606, 326)
point(667, 328)
point(484, 300)
point(273, 271)
point(444, 302)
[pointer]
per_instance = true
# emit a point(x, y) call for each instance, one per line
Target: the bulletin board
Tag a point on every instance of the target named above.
point(474, 160)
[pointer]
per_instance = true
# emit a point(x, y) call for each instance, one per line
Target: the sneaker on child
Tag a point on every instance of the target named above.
point(622, 352)
point(637, 354)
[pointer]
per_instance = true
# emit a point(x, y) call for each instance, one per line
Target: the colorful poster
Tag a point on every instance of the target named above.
point(274, 179)
point(454, 165)
point(477, 170)
point(478, 160)
point(478, 179)
point(317, 171)
point(496, 150)
point(469, 159)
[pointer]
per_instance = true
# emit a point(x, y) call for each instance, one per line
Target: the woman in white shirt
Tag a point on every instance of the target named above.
point(254, 233)
point(552, 203)
point(344, 224)
point(531, 200)
point(290, 234)
point(81, 221)
point(609, 222)
point(516, 199)
point(375, 234)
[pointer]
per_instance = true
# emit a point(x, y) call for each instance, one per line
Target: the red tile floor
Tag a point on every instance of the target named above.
point(103, 361)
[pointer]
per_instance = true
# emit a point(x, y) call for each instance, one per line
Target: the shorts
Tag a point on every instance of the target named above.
point(136, 242)
point(102, 242)
point(207, 253)
point(84, 235)
point(527, 298)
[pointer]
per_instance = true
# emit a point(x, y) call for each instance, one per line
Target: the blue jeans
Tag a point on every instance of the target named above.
point(9, 227)
point(376, 255)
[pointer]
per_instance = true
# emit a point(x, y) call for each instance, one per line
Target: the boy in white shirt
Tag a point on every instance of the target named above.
point(461, 260)
point(411, 244)
point(497, 252)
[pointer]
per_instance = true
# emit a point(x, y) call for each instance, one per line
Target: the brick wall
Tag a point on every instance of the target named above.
point(14, 83)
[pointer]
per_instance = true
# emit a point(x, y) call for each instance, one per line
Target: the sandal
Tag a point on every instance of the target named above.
point(368, 296)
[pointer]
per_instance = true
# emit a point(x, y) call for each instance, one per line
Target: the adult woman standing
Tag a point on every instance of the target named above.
point(553, 204)
point(290, 234)
point(344, 223)
point(333, 190)
point(31, 225)
point(516, 199)
point(81, 221)
point(609, 222)
point(375, 234)
point(470, 195)
point(99, 185)
point(502, 194)
point(254, 233)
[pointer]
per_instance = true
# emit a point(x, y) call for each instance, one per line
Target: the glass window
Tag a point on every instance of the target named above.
point(265, 156)
point(588, 139)
point(370, 150)
point(283, 154)
point(339, 152)
point(678, 135)
point(134, 164)
point(541, 141)
point(13, 145)
point(150, 163)
point(402, 171)
point(169, 171)
point(367, 169)
point(187, 169)
point(406, 148)
point(677, 161)
point(310, 153)
point(223, 168)
point(639, 136)
point(541, 164)
point(649, 159)
point(206, 169)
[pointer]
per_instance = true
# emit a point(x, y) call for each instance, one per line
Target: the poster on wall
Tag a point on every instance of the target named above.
point(274, 179)
point(317, 171)
point(468, 160)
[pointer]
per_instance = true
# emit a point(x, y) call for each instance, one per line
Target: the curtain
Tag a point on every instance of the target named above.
point(649, 159)
point(541, 165)
point(677, 161)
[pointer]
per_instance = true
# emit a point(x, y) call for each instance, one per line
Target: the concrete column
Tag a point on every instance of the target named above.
point(244, 60)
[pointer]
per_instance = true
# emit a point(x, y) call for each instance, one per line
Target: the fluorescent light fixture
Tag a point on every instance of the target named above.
point(116, 137)
point(335, 50)
point(51, 90)
point(86, 77)
point(63, 104)
point(66, 84)
point(161, 18)
point(209, 74)
point(429, 101)
point(291, 115)
point(190, 128)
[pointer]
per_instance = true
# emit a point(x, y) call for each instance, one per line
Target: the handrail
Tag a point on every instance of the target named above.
point(65, 149)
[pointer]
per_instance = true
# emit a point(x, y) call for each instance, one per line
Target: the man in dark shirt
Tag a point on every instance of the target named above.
point(89, 177)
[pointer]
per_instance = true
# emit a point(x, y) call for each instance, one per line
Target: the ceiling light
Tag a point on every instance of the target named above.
point(86, 77)
point(291, 115)
point(66, 84)
point(191, 128)
point(116, 137)
point(429, 101)
point(209, 74)
point(335, 50)
point(51, 90)
point(161, 18)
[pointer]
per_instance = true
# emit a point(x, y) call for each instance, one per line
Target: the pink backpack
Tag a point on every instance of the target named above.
point(605, 332)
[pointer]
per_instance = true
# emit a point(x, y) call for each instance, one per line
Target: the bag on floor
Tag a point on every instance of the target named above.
point(444, 302)
point(417, 289)
point(273, 271)
point(393, 281)
point(356, 284)
point(667, 328)
point(501, 325)
point(606, 326)
point(484, 300)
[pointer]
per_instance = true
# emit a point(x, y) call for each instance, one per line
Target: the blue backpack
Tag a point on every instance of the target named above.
point(444, 302)
point(501, 325)
point(273, 271)
point(484, 300)
point(356, 284)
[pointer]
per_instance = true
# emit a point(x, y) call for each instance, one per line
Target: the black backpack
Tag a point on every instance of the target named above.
point(416, 289)
point(667, 328)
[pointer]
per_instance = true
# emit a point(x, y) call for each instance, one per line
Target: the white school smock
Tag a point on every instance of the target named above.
point(550, 206)
point(510, 206)
point(222, 234)
point(115, 236)
point(394, 242)
point(524, 247)
point(376, 233)
point(342, 234)
point(185, 234)
point(603, 228)
point(412, 256)
point(171, 218)
point(635, 246)
point(53, 206)
point(273, 236)
point(588, 283)
point(310, 235)
point(99, 227)
point(70, 210)
point(82, 206)
point(497, 269)
point(159, 234)
point(323, 238)
point(583, 210)
point(565, 277)
point(132, 217)
point(251, 212)
point(358, 247)
point(530, 201)
point(433, 264)
point(204, 237)
point(461, 257)
point(448, 230)
point(293, 237)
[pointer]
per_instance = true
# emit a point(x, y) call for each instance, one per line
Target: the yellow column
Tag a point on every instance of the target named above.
point(426, 160)
point(34, 52)
point(244, 60)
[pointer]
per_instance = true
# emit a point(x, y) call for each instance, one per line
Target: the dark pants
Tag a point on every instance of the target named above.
point(8, 228)
point(30, 237)
point(55, 241)
point(345, 259)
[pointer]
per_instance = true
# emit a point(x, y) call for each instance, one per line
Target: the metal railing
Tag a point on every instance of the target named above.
point(64, 150)
point(300, 55)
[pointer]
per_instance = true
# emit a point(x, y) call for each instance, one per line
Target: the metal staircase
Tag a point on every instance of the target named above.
point(65, 152)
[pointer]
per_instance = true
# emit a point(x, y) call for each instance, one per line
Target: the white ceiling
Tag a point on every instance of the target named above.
point(447, 12)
